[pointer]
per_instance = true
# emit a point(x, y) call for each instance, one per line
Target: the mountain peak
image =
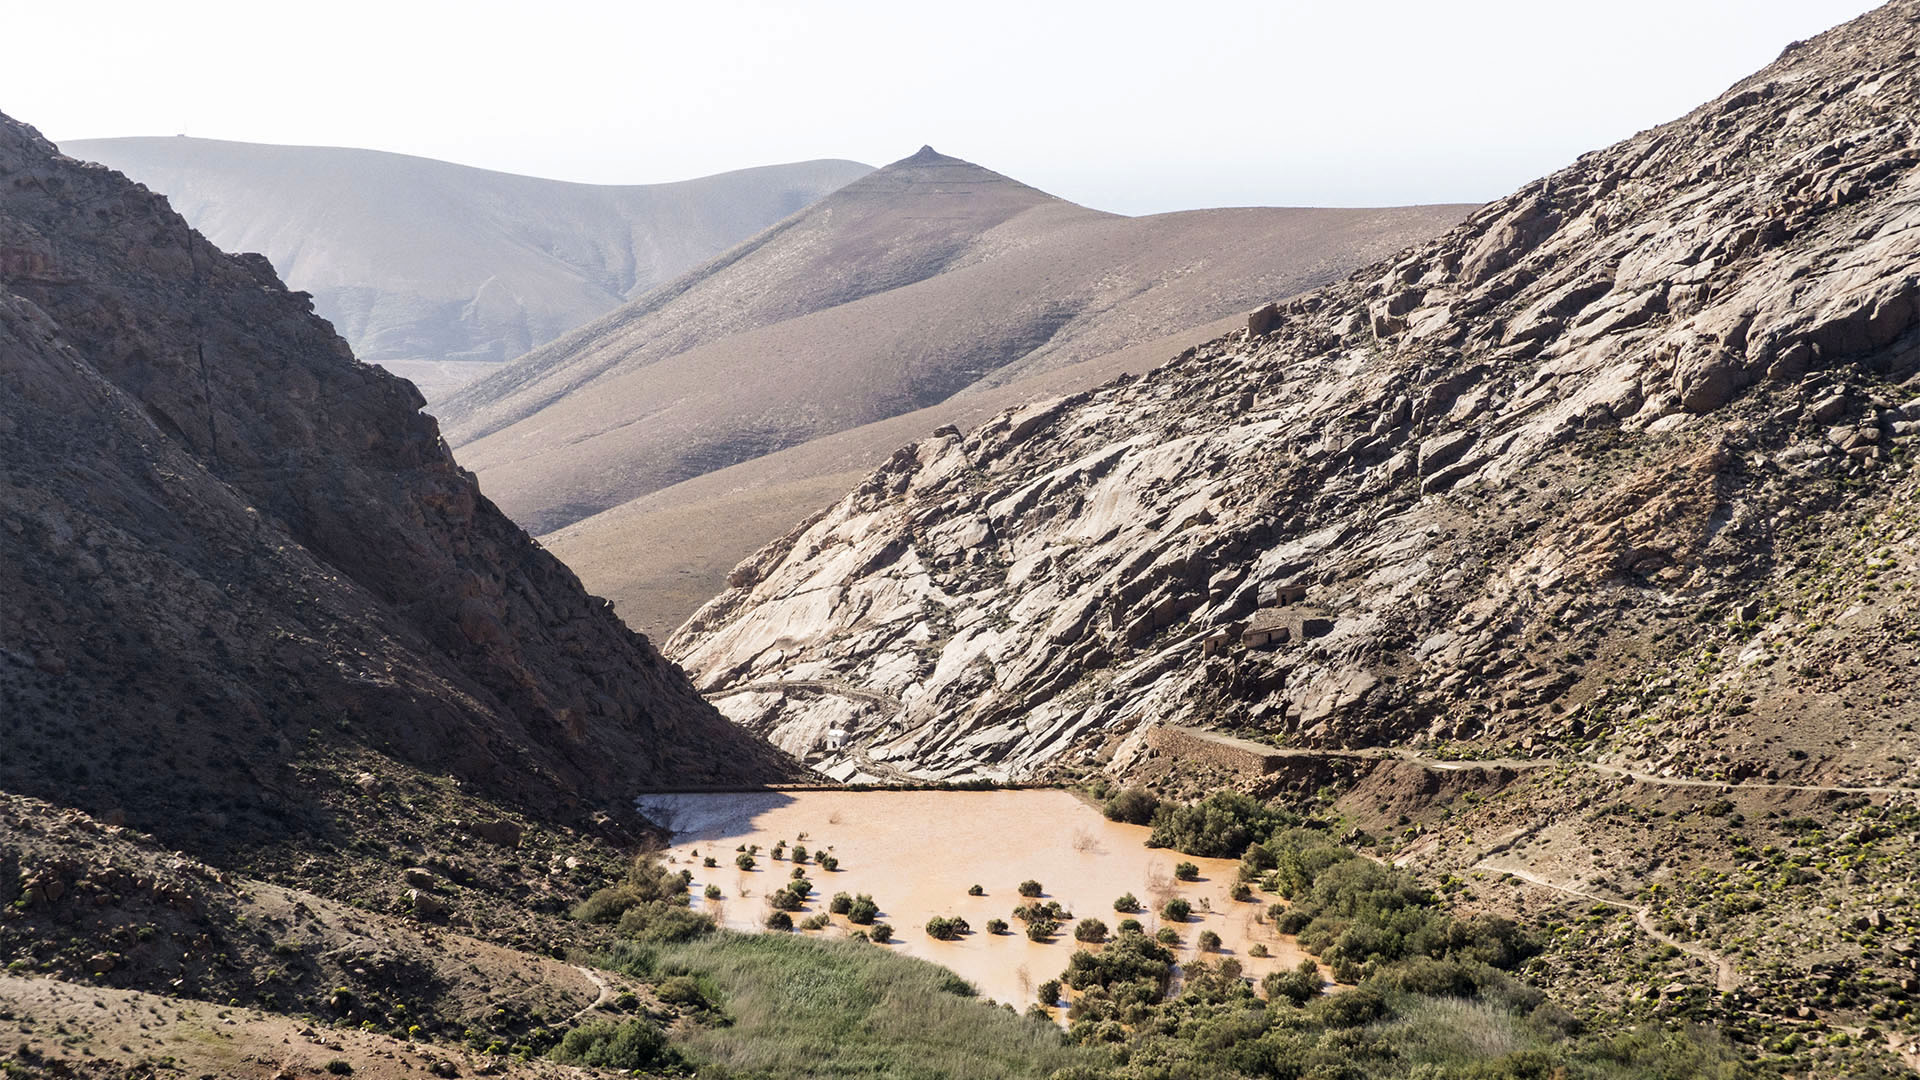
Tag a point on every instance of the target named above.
point(926, 154)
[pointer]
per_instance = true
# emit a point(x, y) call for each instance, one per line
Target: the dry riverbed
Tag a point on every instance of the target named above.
point(918, 852)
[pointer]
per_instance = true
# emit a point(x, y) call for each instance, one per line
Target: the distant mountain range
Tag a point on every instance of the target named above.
point(933, 289)
point(440, 272)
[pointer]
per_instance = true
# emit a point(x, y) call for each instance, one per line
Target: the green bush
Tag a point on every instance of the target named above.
point(1090, 931)
point(786, 900)
point(996, 926)
point(664, 920)
point(1187, 871)
point(1128, 904)
point(1049, 993)
point(779, 920)
point(629, 1044)
point(1298, 986)
point(646, 881)
point(1176, 909)
point(881, 933)
point(1221, 826)
point(863, 910)
point(713, 892)
point(1042, 930)
point(1208, 941)
point(1167, 935)
point(743, 860)
point(945, 929)
point(1030, 888)
point(799, 853)
point(826, 862)
point(975, 890)
point(1130, 926)
point(1133, 805)
point(840, 904)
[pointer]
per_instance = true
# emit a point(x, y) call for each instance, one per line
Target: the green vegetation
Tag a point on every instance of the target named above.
point(1218, 827)
point(944, 929)
point(1030, 888)
point(1187, 871)
point(1090, 931)
point(649, 903)
point(880, 932)
point(629, 1044)
point(1176, 909)
point(862, 910)
point(996, 926)
point(1134, 806)
point(808, 1008)
point(743, 860)
point(975, 890)
point(1208, 941)
point(1127, 905)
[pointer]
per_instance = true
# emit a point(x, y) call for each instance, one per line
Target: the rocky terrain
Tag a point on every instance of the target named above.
point(1620, 459)
point(929, 281)
point(228, 551)
point(440, 272)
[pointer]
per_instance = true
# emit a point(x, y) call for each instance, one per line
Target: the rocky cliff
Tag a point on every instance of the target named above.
point(1617, 470)
point(228, 550)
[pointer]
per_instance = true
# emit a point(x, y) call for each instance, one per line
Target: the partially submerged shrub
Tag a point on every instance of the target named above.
point(1090, 931)
point(1127, 904)
point(1208, 941)
point(779, 920)
point(975, 890)
point(1133, 805)
point(1030, 888)
point(840, 904)
point(996, 926)
point(1048, 993)
point(881, 933)
point(1187, 871)
point(1176, 909)
point(945, 929)
point(863, 910)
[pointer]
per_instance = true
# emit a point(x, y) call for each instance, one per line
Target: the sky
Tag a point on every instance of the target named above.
point(1124, 106)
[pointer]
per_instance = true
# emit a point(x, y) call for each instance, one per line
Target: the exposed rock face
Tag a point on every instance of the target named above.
point(226, 546)
point(1535, 475)
point(440, 272)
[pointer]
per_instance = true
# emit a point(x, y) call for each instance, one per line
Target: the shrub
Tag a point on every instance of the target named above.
point(743, 860)
point(1133, 805)
point(1352, 1008)
point(881, 933)
point(1208, 941)
point(779, 920)
point(1258, 949)
point(340, 1067)
point(1030, 888)
point(840, 904)
point(1221, 826)
point(863, 910)
point(710, 862)
point(1042, 929)
point(1130, 926)
point(945, 929)
point(713, 892)
point(799, 878)
point(682, 990)
point(1090, 931)
point(1048, 993)
point(975, 890)
point(799, 853)
point(1127, 904)
point(646, 881)
point(827, 863)
point(665, 921)
point(1167, 935)
point(630, 1044)
point(1187, 871)
point(1242, 892)
point(817, 921)
point(786, 900)
point(1176, 909)
point(1298, 986)
point(996, 926)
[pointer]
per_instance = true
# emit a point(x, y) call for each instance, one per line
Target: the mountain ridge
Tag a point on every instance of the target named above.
point(440, 270)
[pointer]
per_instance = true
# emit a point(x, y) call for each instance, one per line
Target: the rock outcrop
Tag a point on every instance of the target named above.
point(1533, 485)
point(229, 552)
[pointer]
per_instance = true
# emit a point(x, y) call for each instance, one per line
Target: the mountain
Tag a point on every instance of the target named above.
point(440, 272)
point(931, 282)
point(239, 568)
point(1617, 473)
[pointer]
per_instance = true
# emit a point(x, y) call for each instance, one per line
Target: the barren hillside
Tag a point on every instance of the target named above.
point(440, 272)
point(922, 281)
point(225, 545)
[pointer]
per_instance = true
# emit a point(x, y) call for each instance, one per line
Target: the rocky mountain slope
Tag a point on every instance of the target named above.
point(1616, 472)
point(925, 280)
point(227, 548)
point(440, 272)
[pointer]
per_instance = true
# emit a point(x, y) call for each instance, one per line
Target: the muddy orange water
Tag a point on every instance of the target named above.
point(917, 852)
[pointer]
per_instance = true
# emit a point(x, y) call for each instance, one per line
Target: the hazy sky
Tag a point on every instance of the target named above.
point(1134, 107)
